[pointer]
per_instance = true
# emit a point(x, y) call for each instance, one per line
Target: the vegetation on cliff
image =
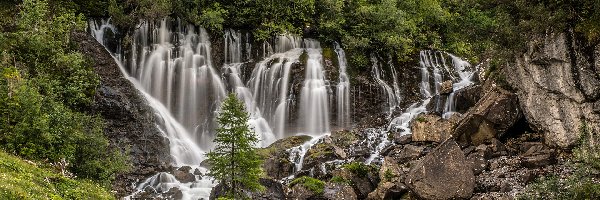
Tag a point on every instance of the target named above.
point(46, 89)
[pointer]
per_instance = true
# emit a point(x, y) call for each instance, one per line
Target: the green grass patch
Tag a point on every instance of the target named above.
point(358, 168)
point(22, 180)
point(315, 185)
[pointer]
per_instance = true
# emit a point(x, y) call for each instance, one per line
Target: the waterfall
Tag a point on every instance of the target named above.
point(343, 90)
point(393, 98)
point(314, 103)
point(465, 75)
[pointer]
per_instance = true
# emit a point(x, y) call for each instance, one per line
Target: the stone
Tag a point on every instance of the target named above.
point(491, 117)
point(339, 191)
point(274, 190)
point(432, 128)
point(557, 87)
point(197, 172)
point(184, 177)
point(444, 173)
point(388, 190)
point(467, 97)
point(446, 87)
point(408, 153)
point(402, 139)
point(538, 156)
point(363, 184)
point(185, 168)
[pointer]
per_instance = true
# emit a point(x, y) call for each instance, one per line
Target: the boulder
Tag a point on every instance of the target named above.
point(432, 128)
point(276, 158)
point(467, 97)
point(406, 153)
point(444, 173)
point(538, 156)
point(363, 178)
point(402, 139)
point(184, 177)
point(558, 86)
point(341, 191)
point(491, 117)
point(388, 190)
point(446, 87)
point(274, 190)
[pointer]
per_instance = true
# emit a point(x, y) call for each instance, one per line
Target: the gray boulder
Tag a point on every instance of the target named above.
point(444, 173)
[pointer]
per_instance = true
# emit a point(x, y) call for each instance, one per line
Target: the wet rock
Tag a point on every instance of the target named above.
point(557, 86)
point(185, 168)
point(402, 139)
point(197, 172)
point(495, 113)
point(300, 192)
point(467, 97)
point(340, 191)
point(444, 173)
point(130, 122)
point(276, 158)
point(432, 128)
point(184, 177)
point(446, 87)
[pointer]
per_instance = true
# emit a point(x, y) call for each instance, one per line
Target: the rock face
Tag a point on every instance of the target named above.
point(491, 117)
point(444, 173)
point(432, 128)
point(129, 121)
point(339, 191)
point(558, 84)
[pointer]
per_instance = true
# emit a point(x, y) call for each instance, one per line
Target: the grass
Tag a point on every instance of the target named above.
point(358, 168)
point(315, 185)
point(23, 180)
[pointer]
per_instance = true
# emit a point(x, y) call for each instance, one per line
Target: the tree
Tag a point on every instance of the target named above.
point(234, 162)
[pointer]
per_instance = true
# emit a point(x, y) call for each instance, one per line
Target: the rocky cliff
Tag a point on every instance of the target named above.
point(130, 122)
point(558, 84)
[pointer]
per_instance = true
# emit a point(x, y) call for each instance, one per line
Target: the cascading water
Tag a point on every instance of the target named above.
point(314, 96)
point(343, 91)
point(393, 98)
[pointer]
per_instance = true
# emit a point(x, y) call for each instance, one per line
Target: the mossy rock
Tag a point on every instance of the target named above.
point(315, 185)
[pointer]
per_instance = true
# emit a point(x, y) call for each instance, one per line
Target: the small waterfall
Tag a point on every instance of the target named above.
point(461, 68)
point(232, 68)
point(297, 153)
point(393, 98)
point(314, 103)
point(343, 91)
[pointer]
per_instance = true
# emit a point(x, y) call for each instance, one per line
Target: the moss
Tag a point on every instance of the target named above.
point(358, 168)
point(303, 58)
point(315, 185)
point(421, 119)
point(23, 180)
point(329, 54)
point(339, 179)
point(387, 175)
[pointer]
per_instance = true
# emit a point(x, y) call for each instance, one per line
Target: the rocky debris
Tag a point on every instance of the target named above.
point(129, 120)
point(433, 128)
point(341, 191)
point(406, 153)
point(446, 87)
point(274, 190)
point(388, 190)
point(444, 173)
point(558, 86)
point(467, 97)
point(538, 156)
point(491, 117)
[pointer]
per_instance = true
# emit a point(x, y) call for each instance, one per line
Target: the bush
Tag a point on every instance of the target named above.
point(315, 185)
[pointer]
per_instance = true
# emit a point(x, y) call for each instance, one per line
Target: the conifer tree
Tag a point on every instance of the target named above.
point(234, 162)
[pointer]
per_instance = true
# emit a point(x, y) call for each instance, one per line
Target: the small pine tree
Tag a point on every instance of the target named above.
point(234, 161)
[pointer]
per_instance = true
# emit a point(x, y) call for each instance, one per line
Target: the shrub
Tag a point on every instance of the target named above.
point(315, 185)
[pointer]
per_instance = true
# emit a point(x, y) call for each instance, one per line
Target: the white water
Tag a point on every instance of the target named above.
point(174, 71)
point(343, 91)
point(393, 96)
point(314, 97)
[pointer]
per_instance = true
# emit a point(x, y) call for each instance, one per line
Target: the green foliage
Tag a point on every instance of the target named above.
point(234, 161)
point(388, 175)
point(22, 180)
point(44, 83)
point(339, 179)
point(315, 185)
point(581, 184)
point(358, 168)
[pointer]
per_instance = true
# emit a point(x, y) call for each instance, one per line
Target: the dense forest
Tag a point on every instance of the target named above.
point(47, 86)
